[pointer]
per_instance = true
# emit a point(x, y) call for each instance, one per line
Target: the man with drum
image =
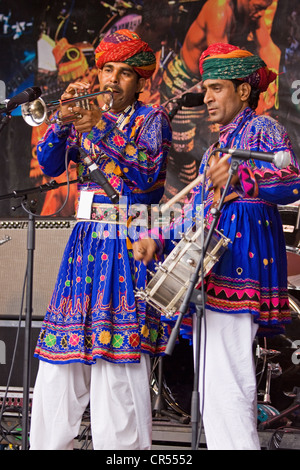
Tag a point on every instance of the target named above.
point(247, 288)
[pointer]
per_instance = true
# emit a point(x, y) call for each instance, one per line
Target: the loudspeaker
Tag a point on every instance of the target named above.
point(51, 236)
point(12, 338)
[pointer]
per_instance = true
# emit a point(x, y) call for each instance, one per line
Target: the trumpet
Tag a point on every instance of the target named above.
point(37, 111)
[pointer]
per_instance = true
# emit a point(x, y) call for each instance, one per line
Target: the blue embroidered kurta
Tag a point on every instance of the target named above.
point(93, 312)
point(251, 276)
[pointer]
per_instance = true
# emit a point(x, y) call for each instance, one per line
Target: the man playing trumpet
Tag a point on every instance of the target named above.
point(96, 338)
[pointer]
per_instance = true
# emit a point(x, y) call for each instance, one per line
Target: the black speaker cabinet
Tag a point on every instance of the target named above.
point(12, 363)
point(51, 236)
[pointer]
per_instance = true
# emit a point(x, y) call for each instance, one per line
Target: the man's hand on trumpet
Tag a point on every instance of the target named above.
point(84, 119)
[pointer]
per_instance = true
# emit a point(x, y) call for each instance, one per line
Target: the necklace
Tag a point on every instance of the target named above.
point(125, 116)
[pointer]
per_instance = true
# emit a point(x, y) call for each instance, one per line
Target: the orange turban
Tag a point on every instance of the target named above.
point(126, 46)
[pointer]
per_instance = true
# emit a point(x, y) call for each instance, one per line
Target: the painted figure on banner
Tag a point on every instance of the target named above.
point(176, 32)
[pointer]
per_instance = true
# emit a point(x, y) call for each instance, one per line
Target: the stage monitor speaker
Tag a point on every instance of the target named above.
point(13, 370)
point(51, 236)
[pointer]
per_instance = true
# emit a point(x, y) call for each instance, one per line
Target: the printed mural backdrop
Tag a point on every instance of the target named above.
point(50, 44)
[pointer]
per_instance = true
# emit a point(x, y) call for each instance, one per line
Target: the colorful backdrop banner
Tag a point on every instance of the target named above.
point(50, 44)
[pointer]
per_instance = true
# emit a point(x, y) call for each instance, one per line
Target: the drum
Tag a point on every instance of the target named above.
point(266, 412)
point(177, 374)
point(290, 216)
point(167, 288)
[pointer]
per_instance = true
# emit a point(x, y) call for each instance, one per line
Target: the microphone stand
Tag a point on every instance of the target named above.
point(4, 121)
point(29, 289)
point(159, 405)
point(193, 295)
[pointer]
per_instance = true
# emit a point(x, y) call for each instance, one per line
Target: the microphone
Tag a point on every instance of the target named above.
point(26, 96)
point(281, 159)
point(98, 177)
point(188, 100)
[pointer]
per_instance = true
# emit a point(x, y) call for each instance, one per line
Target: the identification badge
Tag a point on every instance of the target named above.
point(85, 205)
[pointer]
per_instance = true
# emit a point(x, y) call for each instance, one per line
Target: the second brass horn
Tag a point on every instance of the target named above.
point(37, 111)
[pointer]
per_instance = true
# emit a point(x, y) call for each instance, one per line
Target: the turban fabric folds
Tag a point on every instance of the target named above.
point(126, 46)
point(227, 62)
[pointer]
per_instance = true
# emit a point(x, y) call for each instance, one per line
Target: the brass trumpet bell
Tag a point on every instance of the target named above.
point(37, 111)
point(34, 113)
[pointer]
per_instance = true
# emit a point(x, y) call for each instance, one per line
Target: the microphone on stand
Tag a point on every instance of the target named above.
point(26, 96)
point(281, 159)
point(98, 177)
point(188, 100)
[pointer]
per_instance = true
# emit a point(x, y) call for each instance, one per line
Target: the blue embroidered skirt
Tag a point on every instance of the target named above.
point(93, 312)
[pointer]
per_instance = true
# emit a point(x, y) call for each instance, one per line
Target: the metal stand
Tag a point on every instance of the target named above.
point(4, 121)
point(200, 306)
point(160, 407)
point(295, 407)
point(27, 332)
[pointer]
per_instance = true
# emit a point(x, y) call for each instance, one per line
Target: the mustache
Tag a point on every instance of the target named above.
point(113, 88)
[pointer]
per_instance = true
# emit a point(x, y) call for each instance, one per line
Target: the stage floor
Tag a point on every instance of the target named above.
point(167, 436)
point(172, 430)
point(173, 436)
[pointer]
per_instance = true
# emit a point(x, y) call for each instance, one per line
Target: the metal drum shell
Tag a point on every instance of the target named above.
point(167, 288)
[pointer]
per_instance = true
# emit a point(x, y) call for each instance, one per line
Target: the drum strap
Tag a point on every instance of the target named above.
point(217, 191)
point(217, 196)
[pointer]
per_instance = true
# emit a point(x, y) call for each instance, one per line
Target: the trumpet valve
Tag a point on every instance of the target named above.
point(84, 102)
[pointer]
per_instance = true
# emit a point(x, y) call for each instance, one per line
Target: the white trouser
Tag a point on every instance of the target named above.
point(120, 406)
point(230, 399)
